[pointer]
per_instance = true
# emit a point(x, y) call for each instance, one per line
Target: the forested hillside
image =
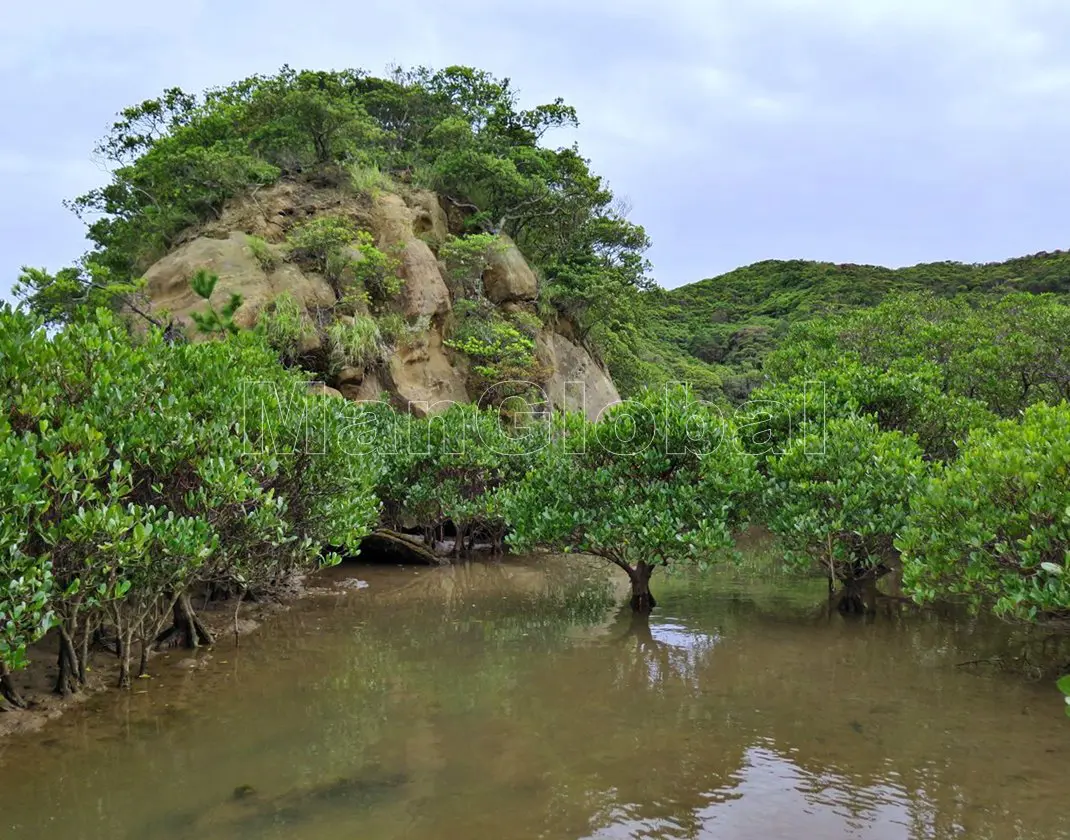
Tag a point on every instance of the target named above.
point(716, 333)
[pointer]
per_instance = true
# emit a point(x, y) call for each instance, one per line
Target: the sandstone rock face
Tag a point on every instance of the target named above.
point(307, 288)
point(578, 382)
point(424, 376)
point(423, 379)
point(424, 291)
point(273, 211)
point(167, 282)
point(369, 389)
point(508, 276)
point(429, 219)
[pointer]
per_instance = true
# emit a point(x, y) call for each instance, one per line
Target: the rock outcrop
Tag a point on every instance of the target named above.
point(420, 373)
point(423, 379)
point(167, 282)
point(577, 383)
point(509, 278)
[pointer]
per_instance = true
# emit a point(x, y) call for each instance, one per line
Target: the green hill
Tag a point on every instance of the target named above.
point(719, 330)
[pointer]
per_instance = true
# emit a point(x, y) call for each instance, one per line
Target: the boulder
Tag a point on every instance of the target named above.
point(311, 341)
point(508, 276)
point(578, 382)
point(350, 376)
point(167, 281)
point(424, 291)
point(393, 220)
point(309, 289)
point(322, 390)
point(370, 389)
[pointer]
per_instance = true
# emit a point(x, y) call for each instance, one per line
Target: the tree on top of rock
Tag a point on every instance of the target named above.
point(177, 159)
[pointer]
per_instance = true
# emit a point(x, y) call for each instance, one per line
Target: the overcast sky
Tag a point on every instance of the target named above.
point(878, 131)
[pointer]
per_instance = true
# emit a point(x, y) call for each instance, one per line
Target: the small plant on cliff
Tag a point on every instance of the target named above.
point(354, 344)
point(503, 361)
point(284, 327)
point(357, 270)
point(403, 333)
point(391, 326)
point(661, 480)
point(374, 271)
point(264, 253)
point(466, 258)
point(527, 322)
point(367, 179)
point(212, 321)
point(316, 241)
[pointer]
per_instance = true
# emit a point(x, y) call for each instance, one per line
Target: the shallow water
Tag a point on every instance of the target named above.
point(518, 701)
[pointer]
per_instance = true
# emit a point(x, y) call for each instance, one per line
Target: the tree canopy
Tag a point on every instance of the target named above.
point(178, 158)
point(718, 333)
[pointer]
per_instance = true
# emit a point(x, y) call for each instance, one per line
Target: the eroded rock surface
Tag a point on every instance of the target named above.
point(578, 382)
point(421, 373)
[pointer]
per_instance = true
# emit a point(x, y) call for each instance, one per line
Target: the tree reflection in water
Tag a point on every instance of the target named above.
point(520, 700)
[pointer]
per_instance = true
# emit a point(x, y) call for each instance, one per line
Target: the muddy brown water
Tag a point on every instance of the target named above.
point(517, 701)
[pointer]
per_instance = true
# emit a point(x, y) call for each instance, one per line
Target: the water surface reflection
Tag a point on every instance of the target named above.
point(519, 701)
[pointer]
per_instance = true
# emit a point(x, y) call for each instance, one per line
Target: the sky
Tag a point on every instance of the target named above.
point(871, 131)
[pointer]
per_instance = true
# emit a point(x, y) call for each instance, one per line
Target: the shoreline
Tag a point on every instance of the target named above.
point(36, 681)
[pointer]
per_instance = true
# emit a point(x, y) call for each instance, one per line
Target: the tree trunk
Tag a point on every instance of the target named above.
point(126, 641)
point(857, 597)
point(8, 691)
point(189, 629)
point(67, 665)
point(642, 600)
point(143, 666)
point(83, 656)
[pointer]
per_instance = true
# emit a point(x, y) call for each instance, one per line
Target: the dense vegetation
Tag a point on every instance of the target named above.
point(893, 455)
point(137, 472)
point(660, 480)
point(717, 333)
point(179, 158)
point(910, 420)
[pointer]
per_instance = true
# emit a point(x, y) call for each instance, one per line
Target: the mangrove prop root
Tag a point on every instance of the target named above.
point(143, 665)
point(642, 600)
point(8, 691)
point(67, 665)
point(186, 629)
point(126, 644)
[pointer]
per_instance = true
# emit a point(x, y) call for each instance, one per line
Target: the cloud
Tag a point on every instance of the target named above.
point(881, 131)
